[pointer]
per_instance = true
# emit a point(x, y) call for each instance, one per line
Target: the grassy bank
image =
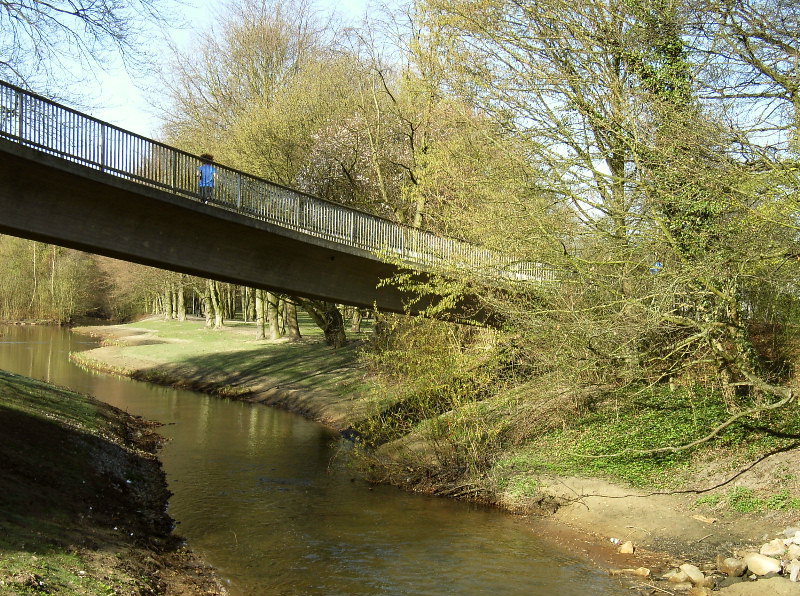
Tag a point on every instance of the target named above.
point(505, 446)
point(84, 500)
point(304, 376)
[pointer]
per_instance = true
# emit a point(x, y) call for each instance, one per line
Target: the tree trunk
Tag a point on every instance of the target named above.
point(334, 327)
point(53, 298)
point(245, 293)
point(328, 318)
point(259, 301)
point(272, 315)
point(230, 301)
point(290, 318)
point(181, 299)
point(252, 304)
point(208, 305)
point(167, 301)
point(33, 292)
point(213, 290)
point(355, 320)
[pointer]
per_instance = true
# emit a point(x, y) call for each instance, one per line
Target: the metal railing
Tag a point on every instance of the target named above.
point(52, 128)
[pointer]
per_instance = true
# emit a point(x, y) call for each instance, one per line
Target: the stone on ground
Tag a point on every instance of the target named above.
point(626, 548)
point(693, 573)
point(676, 576)
point(761, 564)
point(794, 570)
point(731, 566)
point(774, 548)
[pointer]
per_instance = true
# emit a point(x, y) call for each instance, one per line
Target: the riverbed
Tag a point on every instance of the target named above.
point(268, 499)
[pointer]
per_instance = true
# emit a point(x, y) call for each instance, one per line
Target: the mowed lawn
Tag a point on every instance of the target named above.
point(233, 355)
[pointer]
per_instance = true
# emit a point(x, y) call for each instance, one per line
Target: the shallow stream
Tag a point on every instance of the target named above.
point(268, 499)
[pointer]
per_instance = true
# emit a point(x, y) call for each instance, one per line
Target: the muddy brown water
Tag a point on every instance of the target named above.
point(267, 498)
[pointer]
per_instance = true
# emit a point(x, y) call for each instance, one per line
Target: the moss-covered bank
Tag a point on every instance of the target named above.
point(83, 500)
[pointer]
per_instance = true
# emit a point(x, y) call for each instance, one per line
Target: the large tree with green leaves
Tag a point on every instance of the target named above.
point(624, 162)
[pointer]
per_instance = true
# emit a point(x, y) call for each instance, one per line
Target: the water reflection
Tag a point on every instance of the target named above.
point(263, 496)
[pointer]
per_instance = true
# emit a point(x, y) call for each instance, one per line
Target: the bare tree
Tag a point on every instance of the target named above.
point(50, 42)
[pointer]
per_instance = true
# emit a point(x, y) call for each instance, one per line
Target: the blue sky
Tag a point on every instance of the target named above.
point(123, 102)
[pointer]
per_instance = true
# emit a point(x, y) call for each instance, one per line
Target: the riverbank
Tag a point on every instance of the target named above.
point(84, 501)
point(688, 520)
point(305, 377)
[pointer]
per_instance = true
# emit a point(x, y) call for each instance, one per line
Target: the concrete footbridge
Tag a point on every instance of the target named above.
point(69, 179)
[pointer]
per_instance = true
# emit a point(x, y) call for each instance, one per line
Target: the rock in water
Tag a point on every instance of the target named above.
point(761, 564)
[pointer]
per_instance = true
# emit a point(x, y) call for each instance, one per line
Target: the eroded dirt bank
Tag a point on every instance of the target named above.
point(667, 529)
point(83, 500)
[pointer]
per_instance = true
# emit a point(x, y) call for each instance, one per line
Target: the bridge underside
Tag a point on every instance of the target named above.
point(51, 200)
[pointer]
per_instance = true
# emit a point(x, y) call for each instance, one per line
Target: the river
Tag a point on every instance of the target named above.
point(268, 499)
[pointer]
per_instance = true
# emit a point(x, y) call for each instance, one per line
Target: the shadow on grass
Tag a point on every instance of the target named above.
point(64, 488)
point(302, 365)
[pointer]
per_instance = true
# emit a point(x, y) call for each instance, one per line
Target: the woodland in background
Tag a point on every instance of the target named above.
point(645, 150)
point(51, 284)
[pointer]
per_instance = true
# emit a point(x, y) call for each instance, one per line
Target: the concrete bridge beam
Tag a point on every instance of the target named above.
point(46, 198)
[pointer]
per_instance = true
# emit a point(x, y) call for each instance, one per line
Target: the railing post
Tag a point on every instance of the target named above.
point(238, 190)
point(301, 214)
point(102, 147)
point(21, 117)
point(174, 166)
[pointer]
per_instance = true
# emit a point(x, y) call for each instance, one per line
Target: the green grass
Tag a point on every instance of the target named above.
point(234, 355)
point(649, 419)
point(53, 573)
point(49, 439)
point(37, 398)
point(744, 500)
point(708, 500)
